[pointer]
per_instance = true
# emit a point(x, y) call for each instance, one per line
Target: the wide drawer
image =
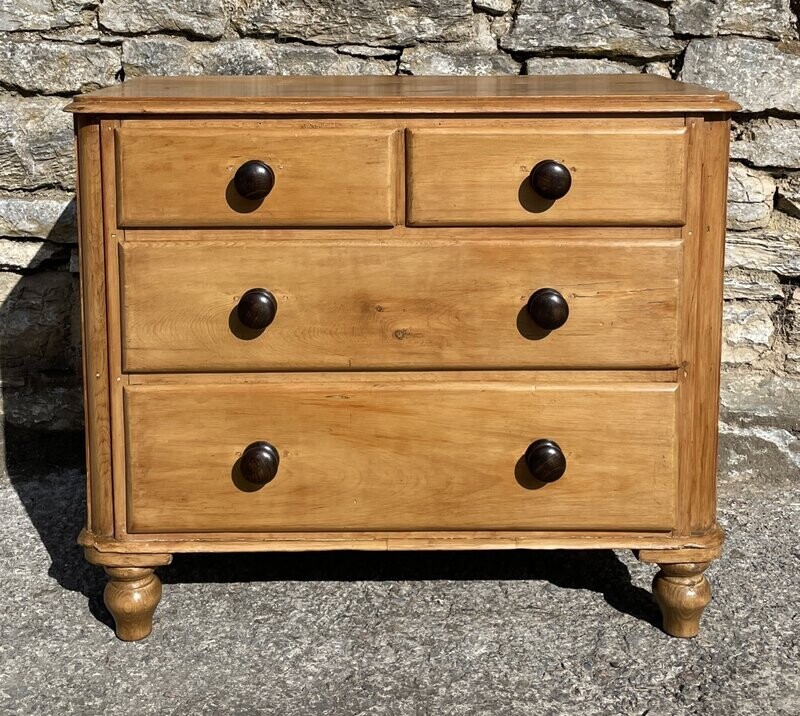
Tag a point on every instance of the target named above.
point(401, 452)
point(366, 304)
point(620, 174)
point(183, 175)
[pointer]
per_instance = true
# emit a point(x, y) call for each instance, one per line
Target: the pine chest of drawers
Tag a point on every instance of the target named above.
point(401, 313)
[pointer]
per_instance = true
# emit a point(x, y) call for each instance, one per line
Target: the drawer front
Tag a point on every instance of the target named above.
point(185, 176)
point(400, 452)
point(362, 304)
point(481, 177)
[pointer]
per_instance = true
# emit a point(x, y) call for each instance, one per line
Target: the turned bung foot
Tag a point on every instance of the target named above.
point(132, 595)
point(682, 593)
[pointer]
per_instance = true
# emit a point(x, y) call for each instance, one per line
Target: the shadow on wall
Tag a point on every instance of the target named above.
point(44, 460)
point(41, 445)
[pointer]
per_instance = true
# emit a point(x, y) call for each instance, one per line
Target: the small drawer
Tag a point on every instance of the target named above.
point(189, 175)
point(401, 452)
point(572, 172)
point(322, 305)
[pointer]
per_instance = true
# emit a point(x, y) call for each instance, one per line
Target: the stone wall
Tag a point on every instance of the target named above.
point(51, 50)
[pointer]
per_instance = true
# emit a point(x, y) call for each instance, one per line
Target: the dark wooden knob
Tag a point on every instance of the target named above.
point(254, 179)
point(548, 309)
point(259, 462)
point(545, 460)
point(257, 308)
point(550, 179)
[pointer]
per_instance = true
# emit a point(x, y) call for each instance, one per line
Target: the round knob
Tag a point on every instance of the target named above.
point(548, 309)
point(259, 463)
point(254, 180)
point(550, 179)
point(545, 460)
point(257, 308)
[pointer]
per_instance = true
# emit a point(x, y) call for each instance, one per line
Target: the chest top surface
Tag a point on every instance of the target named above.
point(393, 95)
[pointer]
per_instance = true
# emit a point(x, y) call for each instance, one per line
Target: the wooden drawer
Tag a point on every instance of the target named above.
point(400, 304)
point(401, 452)
point(182, 175)
point(621, 174)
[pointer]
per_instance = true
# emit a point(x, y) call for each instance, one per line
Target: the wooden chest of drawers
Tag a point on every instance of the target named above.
point(401, 313)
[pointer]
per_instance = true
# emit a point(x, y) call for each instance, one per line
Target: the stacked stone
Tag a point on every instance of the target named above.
point(49, 51)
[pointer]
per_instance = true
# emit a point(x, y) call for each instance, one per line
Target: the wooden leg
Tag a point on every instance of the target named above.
point(133, 590)
point(680, 588)
point(132, 595)
point(682, 593)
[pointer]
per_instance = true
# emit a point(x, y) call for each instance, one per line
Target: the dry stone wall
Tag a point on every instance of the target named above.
point(51, 50)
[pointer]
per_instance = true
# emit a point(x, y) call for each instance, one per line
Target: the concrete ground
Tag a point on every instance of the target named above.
point(497, 633)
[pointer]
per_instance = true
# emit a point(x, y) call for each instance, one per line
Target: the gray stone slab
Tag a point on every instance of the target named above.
point(372, 22)
point(174, 56)
point(47, 67)
point(758, 74)
point(632, 28)
point(204, 18)
point(757, 18)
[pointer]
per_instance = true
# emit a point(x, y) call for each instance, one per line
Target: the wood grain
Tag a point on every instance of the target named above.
point(99, 502)
point(414, 234)
point(351, 305)
point(182, 176)
point(565, 377)
point(682, 593)
point(428, 455)
point(136, 545)
point(701, 325)
point(479, 177)
point(132, 595)
point(410, 95)
point(113, 235)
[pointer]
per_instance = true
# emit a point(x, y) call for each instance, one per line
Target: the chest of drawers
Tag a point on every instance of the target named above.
point(401, 314)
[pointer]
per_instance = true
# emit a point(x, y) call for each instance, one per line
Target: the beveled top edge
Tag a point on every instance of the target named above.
point(252, 94)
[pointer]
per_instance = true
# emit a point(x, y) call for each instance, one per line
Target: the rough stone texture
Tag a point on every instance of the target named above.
point(430, 60)
point(748, 331)
point(41, 14)
point(750, 198)
point(400, 634)
point(172, 55)
point(752, 452)
point(43, 215)
point(572, 66)
point(204, 18)
point(761, 398)
point(56, 67)
point(662, 69)
point(632, 28)
point(495, 7)
point(758, 18)
point(766, 250)
point(793, 317)
point(770, 142)
point(36, 143)
point(29, 305)
point(758, 74)
point(789, 195)
point(374, 22)
point(28, 255)
point(753, 285)
point(369, 51)
point(39, 328)
point(477, 56)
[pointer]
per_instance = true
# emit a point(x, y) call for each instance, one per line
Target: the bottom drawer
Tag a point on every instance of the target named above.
point(401, 452)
